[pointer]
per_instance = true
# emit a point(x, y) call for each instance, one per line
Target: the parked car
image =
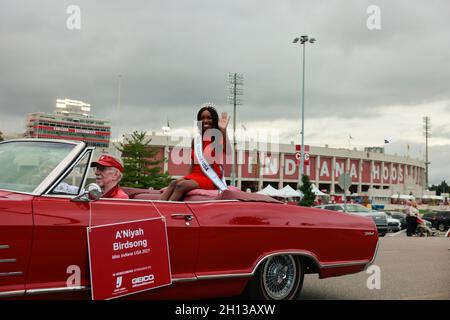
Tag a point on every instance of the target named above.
point(399, 216)
point(226, 245)
point(379, 218)
point(394, 225)
point(439, 219)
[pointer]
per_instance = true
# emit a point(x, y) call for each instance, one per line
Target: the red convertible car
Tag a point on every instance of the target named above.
point(233, 244)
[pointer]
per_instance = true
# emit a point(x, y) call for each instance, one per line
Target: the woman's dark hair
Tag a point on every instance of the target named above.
point(214, 115)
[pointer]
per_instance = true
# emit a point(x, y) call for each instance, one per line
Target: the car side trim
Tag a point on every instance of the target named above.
point(4, 246)
point(178, 280)
point(7, 260)
point(225, 276)
point(344, 264)
point(296, 253)
point(8, 294)
point(31, 292)
point(313, 257)
point(42, 291)
point(56, 290)
point(9, 274)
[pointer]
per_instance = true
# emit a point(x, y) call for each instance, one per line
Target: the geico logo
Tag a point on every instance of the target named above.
point(150, 277)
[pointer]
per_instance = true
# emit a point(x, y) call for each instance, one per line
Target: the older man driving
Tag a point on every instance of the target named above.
point(108, 173)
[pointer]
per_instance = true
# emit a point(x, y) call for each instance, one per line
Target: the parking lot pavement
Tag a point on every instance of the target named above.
point(411, 268)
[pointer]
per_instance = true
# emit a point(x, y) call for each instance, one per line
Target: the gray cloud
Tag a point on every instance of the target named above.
point(439, 167)
point(179, 54)
point(175, 55)
point(442, 131)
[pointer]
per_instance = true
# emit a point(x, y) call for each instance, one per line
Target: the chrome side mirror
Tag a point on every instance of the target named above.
point(92, 192)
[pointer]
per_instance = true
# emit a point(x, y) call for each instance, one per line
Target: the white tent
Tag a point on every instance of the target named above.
point(289, 192)
point(316, 190)
point(270, 191)
point(403, 197)
point(433, 197)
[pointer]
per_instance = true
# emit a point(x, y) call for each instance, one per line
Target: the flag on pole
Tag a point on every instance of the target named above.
point(386, 141)
point(350, 136)
point(166, 129)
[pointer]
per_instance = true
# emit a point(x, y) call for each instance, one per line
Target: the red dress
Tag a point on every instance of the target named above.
point(197, 174)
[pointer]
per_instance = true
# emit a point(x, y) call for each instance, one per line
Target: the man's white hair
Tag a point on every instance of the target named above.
point(120, 173)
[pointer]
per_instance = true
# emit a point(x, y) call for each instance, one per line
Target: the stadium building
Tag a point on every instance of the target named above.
point(372, 172)
point(71, 120)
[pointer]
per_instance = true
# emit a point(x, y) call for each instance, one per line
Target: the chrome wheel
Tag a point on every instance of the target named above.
point(441, 227)
point(280, 277)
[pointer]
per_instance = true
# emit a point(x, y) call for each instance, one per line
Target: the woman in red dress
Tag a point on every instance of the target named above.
point(209, 119)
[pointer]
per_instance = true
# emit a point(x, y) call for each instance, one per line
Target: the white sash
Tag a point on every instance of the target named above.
point(206, 168)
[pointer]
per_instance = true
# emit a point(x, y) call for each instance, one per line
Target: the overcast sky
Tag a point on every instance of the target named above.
point(175, 55)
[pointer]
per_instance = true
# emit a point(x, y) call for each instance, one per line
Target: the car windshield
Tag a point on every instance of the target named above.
point(356, 208)
point(25, 164)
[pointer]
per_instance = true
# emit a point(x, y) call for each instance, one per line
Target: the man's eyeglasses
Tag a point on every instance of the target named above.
point(100, 168)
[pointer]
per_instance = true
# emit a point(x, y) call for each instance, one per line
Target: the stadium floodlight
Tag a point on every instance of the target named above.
point(427, 135)
point(235, 80)
point(303, 39)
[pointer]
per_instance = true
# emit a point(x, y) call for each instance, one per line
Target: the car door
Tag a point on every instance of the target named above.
point(59, 252)
point(60, 249)
point(183, 235)
point(16, 232)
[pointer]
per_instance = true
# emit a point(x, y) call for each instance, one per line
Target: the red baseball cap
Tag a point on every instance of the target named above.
point(108, 160)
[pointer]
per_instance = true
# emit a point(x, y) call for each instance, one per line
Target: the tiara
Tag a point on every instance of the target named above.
point(209, 105)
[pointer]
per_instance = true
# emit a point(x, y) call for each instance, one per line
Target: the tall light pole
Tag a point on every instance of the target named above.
point(236, 80)
point(118, 92)
point(303, 40)
point(427, 134)
point(119, 87)
point(166, 132)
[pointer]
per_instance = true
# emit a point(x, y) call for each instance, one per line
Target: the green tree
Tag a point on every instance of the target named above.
point(141, 170)
point(308, 196)
point(1, 136)
point(440, 188)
